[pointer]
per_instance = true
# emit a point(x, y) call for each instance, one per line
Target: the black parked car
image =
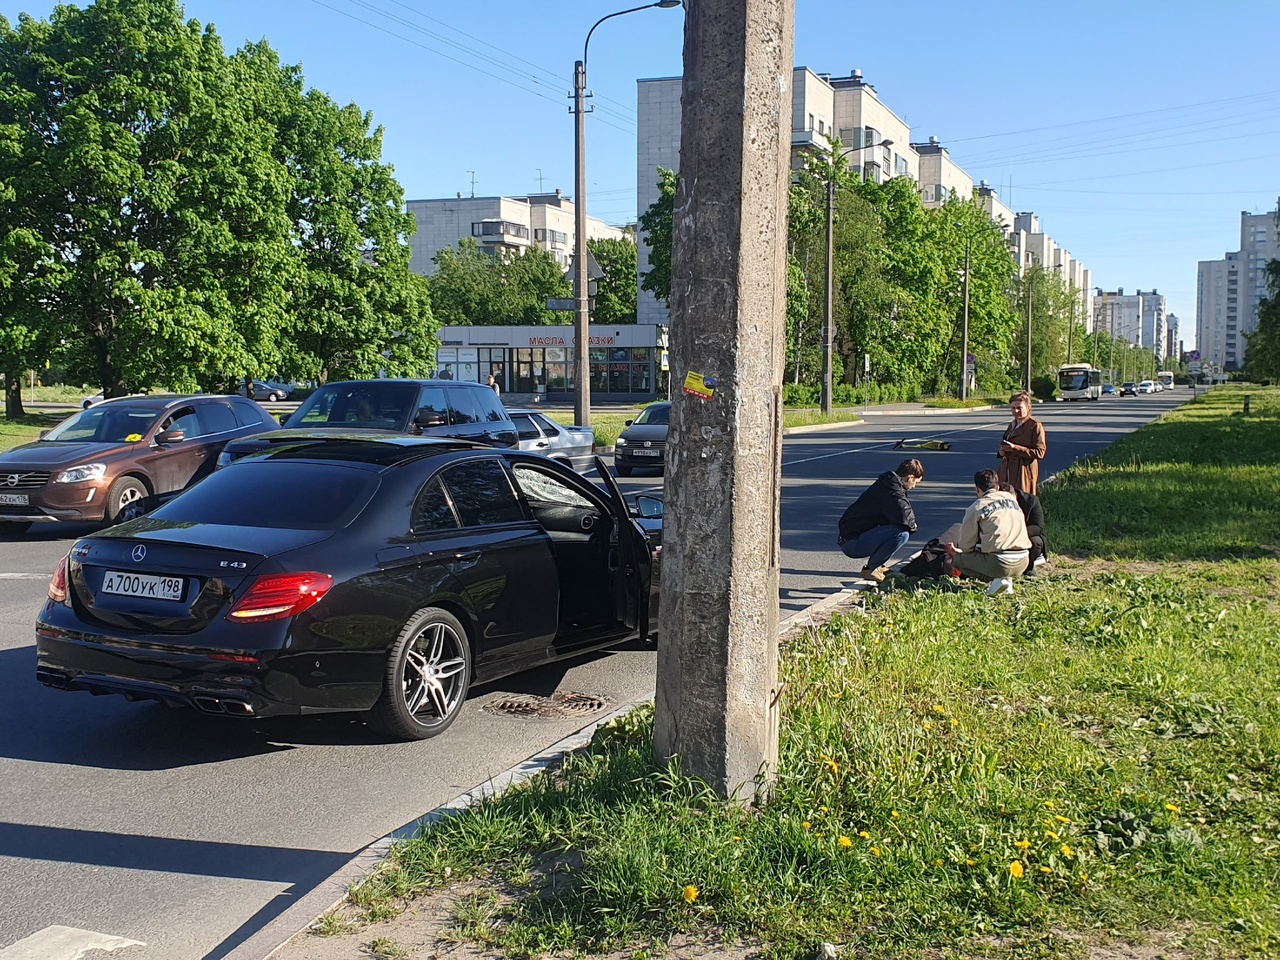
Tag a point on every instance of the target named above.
point(432, 408)
point(644, 442)
point(397, 571)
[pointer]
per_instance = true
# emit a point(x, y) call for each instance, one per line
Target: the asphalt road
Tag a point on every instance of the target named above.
point(189, 833)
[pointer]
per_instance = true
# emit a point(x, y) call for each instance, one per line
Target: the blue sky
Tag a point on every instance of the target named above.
point(1138, 131)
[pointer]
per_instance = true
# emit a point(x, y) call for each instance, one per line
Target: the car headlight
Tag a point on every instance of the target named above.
point(86, 471)
point(620, 442)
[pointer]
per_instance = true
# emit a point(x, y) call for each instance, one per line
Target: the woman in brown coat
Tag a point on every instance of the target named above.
point(1022, 446)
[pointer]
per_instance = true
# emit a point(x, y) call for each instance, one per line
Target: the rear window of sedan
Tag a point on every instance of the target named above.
point(280, 495)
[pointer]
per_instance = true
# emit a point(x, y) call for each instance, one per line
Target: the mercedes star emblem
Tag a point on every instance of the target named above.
point(139, 553)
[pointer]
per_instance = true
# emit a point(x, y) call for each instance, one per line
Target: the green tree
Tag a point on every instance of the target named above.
point(616, 290)
point(1262, 361)
point(472, 287)
point(656, 226)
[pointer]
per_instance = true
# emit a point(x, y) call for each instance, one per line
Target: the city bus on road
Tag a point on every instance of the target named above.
point(1079, 381)
point(1166, 378)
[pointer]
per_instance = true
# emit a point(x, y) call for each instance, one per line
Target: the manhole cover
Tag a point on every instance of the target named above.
point(557, 705)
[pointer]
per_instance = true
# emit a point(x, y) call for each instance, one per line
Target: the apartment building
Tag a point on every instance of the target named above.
point(1229, 290)
point(1139, 318)
point(1173, 343)
point(940, 177)
point(507, 225)
point(846, 114)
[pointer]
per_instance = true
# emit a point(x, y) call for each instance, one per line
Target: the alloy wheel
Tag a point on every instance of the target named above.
point(434, 677)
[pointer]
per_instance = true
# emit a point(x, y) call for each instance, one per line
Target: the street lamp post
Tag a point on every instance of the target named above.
point(581, 278)
point(964, 335)
point(828, 325)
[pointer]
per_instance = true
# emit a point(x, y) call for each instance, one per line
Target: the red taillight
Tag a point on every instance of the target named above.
point(280, 596)
point(58, 582)
point(233, 657)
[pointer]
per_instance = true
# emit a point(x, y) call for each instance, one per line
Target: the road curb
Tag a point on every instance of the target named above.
point(929, 411)
point(819, 427)
point(330, 893)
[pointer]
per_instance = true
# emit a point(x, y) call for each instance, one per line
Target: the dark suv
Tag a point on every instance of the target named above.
point(430, 408)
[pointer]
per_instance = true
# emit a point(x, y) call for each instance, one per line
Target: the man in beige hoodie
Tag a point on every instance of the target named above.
point(993, 544)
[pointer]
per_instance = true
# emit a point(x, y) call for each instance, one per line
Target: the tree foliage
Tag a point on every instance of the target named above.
point(1262, 361)
point(474, 287)
point(656, 227)
point(616, 290)
point(185, 218)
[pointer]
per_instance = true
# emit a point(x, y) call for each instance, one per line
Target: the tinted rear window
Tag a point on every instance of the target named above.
point(368, 405)
point(280, 495)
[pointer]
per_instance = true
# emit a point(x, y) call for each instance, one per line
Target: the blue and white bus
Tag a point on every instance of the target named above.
point(1079, 381)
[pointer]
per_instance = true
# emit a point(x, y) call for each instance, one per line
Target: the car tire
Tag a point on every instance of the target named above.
point(14, 527)
point(624, 470)
point(274, 398)
point(86, 405)
point(125, 492)
point(427, 677)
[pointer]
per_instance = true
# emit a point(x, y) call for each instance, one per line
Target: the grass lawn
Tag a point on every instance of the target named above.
point(1091, 762)
point(955, 403)
point(26, 429)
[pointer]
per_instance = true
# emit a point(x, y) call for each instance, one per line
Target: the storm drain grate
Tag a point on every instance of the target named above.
point(535, 707)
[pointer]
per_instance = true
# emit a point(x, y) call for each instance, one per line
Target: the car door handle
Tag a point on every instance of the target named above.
point(468, 557)
point(543, 443)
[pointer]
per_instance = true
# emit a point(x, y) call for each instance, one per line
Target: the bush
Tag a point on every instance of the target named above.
point(802, 395)
point(1043, 388)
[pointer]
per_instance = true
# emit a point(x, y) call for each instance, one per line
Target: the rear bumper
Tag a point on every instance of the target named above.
point(275, 685)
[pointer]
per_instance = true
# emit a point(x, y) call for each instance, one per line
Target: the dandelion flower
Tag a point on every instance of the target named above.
point(864, 835)
point(737, 839)
point(823, 809)
point(831, 764)
point(938, 862)
point(1048, 803)
point(939, 708)
point(807, 825)
point(955, 722)
point(1045, 870)
point(846, 842)
point(928, 726)
point(970, 863)
point(1171, 807)
point(1067, 851)
point(1015, 868)
point(875, 851)
point(1022, 844)
point(1051, 835)
point(690, 893)
point(1061, 819)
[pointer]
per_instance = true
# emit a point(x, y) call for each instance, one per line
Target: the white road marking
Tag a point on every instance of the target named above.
point(887, 443)
point(24, 576)
point(64, 943)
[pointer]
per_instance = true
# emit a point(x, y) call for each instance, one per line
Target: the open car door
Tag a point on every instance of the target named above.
point(631, 577)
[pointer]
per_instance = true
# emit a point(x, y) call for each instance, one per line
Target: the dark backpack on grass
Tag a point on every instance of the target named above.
point(929, 563)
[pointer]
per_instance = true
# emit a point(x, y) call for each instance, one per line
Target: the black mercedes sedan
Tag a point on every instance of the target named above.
point(380, 574)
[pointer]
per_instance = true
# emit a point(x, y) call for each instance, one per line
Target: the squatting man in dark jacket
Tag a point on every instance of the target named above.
point(880, 522)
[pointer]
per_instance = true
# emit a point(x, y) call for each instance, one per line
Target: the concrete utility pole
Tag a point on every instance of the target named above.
point(1030, 300)
point(717, 694)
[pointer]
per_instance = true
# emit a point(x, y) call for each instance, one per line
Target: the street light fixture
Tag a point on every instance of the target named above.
point(828, 327)
point(964, 337)
point(581, 279)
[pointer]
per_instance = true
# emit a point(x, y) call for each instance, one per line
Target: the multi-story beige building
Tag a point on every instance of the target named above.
point(1229, 290)
point(1138, 318)
point(507, 225)
point(844, 114)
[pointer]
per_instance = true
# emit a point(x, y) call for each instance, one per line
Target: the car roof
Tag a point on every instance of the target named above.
point(376, 450)
point(158, 402)
point(431, 381)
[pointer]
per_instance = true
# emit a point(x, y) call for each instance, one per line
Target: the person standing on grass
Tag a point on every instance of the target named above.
point(993, 543)
point(1022, 446)
point(880, 522)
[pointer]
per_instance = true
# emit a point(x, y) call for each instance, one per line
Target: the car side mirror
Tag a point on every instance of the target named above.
point(628, 423)
point(166, 437)
point(43, 434)
point(426, 420)
point(651, 508)
point(284, 417)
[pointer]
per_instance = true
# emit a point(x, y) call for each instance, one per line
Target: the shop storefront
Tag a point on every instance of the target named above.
point(539, 361)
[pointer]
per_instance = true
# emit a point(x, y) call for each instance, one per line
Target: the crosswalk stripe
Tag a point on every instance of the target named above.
point(64, 943)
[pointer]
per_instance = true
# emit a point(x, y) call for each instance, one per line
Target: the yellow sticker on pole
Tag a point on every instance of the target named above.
point(696, 385)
